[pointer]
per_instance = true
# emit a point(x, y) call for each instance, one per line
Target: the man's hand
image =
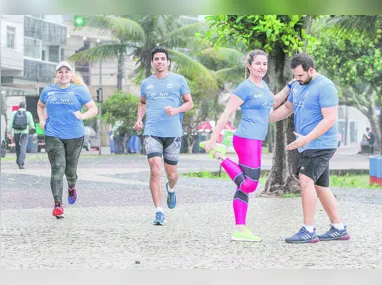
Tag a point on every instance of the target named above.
point(79, 115)
point(170, 111)
point(138, 125)
point(10, 135)
point(299, 142)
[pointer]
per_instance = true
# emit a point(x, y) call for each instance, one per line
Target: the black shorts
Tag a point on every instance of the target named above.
point(169, 148)
point(314, 163)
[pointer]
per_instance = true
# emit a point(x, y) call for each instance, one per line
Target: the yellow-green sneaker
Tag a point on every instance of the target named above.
point(221, 148)
point(245, 235)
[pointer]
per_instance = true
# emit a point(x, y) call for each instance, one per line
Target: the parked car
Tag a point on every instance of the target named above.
point(91, 139)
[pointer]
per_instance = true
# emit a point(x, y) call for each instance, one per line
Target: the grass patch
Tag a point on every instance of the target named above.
point(215, 175)
point(8, 158)
point(289, 195)
point(338, 181)
point(44, 156)
point(351, 181)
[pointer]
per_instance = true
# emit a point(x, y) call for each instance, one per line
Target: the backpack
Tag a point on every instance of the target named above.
point(20, 121)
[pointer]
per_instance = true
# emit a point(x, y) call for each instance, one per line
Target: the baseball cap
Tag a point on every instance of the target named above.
point(63, 63)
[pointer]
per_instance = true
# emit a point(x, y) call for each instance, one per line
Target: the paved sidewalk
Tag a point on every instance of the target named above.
point(110, 225)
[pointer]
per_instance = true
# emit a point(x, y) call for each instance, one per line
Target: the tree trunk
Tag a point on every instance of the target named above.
point(282, 178)
point(121, 67)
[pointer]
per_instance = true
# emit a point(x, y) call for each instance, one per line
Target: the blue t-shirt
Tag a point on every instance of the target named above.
point(255, 110)
point(159, 93)
point(60, 105)
point(307, 103)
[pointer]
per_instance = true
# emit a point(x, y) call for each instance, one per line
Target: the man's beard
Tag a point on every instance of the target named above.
point(307, 81)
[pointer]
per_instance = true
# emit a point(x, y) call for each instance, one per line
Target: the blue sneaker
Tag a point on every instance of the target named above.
point(159, 219)
point(171, 197)
point(72, 195)
point(335, 234)
point(303, 236)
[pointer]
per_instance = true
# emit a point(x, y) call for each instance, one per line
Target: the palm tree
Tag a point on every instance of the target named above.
point(137, 36)
point(366, 25)
point(370, 27)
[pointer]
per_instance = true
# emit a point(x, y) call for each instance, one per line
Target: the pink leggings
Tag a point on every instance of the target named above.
point(246, 174)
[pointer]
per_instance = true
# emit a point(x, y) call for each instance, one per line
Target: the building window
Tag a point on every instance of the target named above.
point(11, 37)
point(32, 48)
point(43, 56)
point(62, 54)
point(54, 53)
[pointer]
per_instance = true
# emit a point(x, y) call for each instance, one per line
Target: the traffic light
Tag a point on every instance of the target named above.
point(79, 21)
point(99, 95)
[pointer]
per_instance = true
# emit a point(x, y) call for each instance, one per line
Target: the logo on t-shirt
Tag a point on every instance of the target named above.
point(149, 86)
point(169, 85)
point(259, 95)
point(61, 101)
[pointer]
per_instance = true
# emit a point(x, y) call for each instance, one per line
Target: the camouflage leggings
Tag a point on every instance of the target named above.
point(63, 156)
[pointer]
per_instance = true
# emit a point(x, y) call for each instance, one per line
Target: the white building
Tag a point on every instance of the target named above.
point(31, 46)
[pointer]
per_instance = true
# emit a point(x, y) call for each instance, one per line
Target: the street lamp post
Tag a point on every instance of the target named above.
point(100, 99)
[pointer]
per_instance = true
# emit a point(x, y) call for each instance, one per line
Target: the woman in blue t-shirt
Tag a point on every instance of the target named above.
point(59, 112)
point(255, 100)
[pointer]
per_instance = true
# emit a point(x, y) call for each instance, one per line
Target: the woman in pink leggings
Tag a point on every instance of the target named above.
point(255, 100)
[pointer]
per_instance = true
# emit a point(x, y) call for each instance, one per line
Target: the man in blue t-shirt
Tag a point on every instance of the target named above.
point(313, 100)
point(164, 97)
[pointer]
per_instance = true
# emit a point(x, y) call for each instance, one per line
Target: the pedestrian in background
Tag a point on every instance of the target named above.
point(116, 136)
point(19, 126)
point(371, 140)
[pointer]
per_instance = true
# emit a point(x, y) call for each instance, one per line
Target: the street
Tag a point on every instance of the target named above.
point(110, 224)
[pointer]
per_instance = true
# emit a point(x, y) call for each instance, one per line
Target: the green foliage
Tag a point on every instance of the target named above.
point(348, 59)
point(138, 35)
point(121, 106)
point(259, 31)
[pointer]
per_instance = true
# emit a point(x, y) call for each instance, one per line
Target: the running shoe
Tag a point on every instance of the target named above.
point(245, 235)
point(159, 219)
point(171, 197)
point(72, 195)
point(58, 210)
point(335, 234)
point(221, 148)
point(303, 236)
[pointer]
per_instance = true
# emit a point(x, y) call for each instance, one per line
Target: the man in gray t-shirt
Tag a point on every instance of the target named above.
point(164, 97)
point(313, 100)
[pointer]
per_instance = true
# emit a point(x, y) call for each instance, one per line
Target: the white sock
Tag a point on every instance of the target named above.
point(309, 228)
point(171, 190)
point(339, 226)
point(158, 209)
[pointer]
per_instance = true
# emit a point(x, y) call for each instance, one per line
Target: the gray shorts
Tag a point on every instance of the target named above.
point(169, 148)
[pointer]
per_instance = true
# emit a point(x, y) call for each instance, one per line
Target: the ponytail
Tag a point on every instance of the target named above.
point(78, 80)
